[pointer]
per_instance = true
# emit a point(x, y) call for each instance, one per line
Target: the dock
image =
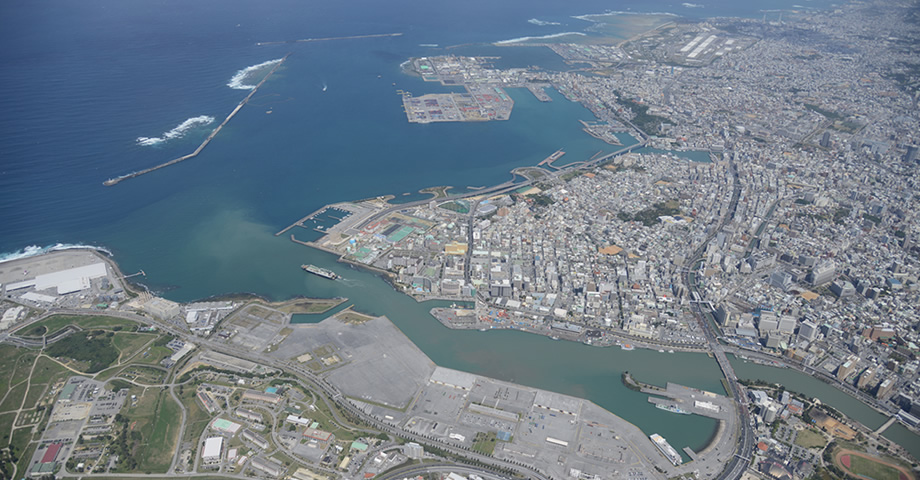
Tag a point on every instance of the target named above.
point(552, 158)
point(539, 92)
point(116, 180)
point(299, 223)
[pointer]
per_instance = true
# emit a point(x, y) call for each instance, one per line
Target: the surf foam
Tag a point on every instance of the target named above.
point(590, 17)
point(542, 23)
point(33, 250)
point(239, 81)
point(177, 132)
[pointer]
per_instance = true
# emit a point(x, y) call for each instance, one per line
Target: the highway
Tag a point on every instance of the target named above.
point(416, 470)
point(735, 468)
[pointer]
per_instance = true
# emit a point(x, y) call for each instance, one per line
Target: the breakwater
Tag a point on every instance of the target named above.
point(239, 106)
point(326, 39)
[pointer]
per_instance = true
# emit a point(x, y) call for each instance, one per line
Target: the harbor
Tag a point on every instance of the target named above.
point(114, 181)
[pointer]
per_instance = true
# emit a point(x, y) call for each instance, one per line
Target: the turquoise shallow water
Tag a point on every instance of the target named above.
point(82, 81)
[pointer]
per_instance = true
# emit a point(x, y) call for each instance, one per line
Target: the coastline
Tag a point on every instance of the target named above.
point(595, 413)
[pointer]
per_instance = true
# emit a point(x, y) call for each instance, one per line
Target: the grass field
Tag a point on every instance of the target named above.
point(871, 469)
point(353, 317)
point(156, 455)
point(92, 351)
point(153, 423)
point(810, 439)
point(19, 361)
point(13, 398)
point(6, 422)
point(301, 305)
point(36, 391)
point(21, 442)
point(10, 358)
point(57, 322)
point(484, 443)
point(129, 343)
point(860, 464)
point(323, 416)
point(17, 365)
point(197, 419)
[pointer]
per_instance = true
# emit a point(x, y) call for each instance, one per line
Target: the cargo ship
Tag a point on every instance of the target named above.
point(322, 272)
point(672, 408)
point(666, 449)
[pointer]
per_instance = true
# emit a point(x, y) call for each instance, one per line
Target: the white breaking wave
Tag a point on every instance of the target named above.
point(591, 16)
point(33, 250)
point(237, 82)
point(177, 132)
point(542, 23)
point(544, 37)
point(692, 5)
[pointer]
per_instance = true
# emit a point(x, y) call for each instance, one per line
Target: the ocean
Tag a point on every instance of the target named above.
point(99, 88)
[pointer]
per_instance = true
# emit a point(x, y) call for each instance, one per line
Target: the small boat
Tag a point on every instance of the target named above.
point(672, 409)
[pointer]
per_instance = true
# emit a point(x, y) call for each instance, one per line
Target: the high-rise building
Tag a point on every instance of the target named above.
point(781, 280)
point(845, 369)
point(808, 331)
point(866, 378)
point(768, 323)
point(414, 451)
point(843, 288)
point(722, 315)
point(786, 324)
point(770, 415)
point(884, 388)
point(913, 152)
point(822, 273)
point(826, 139)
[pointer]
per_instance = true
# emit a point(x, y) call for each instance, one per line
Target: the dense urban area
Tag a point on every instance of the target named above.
point(761, 203)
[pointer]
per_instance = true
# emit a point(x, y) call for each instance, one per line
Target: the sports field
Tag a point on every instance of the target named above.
point(866, 466)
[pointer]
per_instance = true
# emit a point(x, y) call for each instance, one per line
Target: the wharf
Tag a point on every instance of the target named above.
point(695, 401)
point(548, 161)
point(116, 180)
point(539, 92)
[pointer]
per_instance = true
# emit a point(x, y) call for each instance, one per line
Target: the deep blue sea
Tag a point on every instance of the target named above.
point(82, 81)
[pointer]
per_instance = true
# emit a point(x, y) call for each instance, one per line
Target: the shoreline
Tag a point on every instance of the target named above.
point(442, 314)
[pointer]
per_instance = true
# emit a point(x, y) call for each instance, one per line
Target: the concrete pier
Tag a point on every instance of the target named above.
point(299, 223)
point(116, 180)
point(552, 158)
